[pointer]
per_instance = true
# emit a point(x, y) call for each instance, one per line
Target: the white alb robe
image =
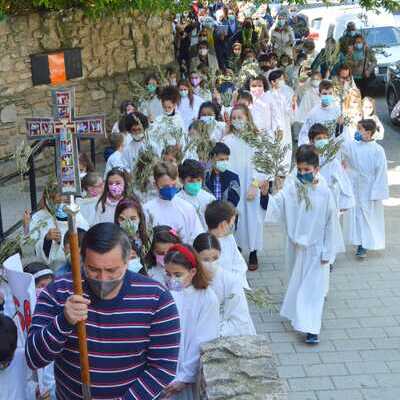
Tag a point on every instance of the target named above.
point(131, 153)
point(317, 115)
point(151, 108)
point(232, 260)
point(43, 220)
point(157, 272)
point(87, 207)
point(199, 321)
point(311, 239)
point(251, 216)
point(189, 113)
point(176, 213)
point(308, 101)
point(367, 168)
point(263, 118)
point(235, 318)
point(199, 202)
point(109, 211)
point(116, 160)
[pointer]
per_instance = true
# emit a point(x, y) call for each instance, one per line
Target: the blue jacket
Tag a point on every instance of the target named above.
point(230, 185)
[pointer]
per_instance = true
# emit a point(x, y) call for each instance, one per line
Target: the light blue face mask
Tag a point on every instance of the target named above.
point(358, 137)
point(135, 265)
point(60, 213)
point(239, 124)
point(321, 143)
point(207, 119)
point(174, 284)
point(326, 100)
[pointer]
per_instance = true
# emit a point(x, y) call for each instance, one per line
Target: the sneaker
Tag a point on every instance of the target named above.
point(361, 252)
point(253, 261)
point(312, 338)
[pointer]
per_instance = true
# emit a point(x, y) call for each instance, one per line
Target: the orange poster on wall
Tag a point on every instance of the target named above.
point(57, 68)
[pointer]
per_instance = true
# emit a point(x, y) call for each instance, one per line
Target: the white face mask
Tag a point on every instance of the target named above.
point(203, 52)
point(212, 266)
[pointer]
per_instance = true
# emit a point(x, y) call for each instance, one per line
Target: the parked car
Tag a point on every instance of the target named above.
point(393, 87)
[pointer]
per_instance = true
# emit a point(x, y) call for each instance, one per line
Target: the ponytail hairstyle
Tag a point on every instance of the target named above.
point(206, 241)
point(161, 234)
point(103, 198)
point(187, 257)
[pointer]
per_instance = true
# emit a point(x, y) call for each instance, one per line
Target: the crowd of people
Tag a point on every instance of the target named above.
point(171, 227)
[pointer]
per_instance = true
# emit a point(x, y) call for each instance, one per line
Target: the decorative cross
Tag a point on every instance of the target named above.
point(65, 128)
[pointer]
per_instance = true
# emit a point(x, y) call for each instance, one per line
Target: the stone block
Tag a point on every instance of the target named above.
point(9, 114)
point(240, 368)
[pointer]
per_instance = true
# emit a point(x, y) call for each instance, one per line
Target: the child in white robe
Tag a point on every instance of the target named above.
point(198, 310)
point(208, 113)
point(310, 226)
point(367, 168)
point(166, 127)
point(310, 97)
point(164, 237)
point(220, 218)
point(115, 189)
point(189, 105)
point(48, 228)
point(191, 175)
point(253, 202)
point(235, 318)
point(169, 209)
point(326, 111)
point(116, 159)
point(93, 186)
point(152, 107)
point(125, 108)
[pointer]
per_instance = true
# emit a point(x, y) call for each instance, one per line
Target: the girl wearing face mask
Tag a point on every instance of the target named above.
point(204, 57)
point(198, 308)
point(282, 36)
point(235, 319)
point(189, 105)
point(164, 237)
point(93, 186)
point(209, 114)
point(369, 112)
point(126, 107)
point(249, 234)
point(115, 189)
point(50, 223)
point(151, 107)
point(169, 209)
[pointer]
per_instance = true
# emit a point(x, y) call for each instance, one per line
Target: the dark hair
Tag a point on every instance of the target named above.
point(103, 197)
point(317, 129)
point(133, 202)
point(170, 93)
point(161, 234)
point(369, 125)
point(90, 179)
point(206, 241)
point(124, 105)
point(358, 36)
point(151, 77)
point(8, 339)
point(104, 237)
point(218, 211)
point(36, 266)
point(257, 78)
point(307, 154)
point(274, 75)
point(343, 67)
point(325, 85)
point(191, 169)
point(245, 95)
point(81, 235)
point(202, 278)
point(203, 43)
point(220, 148)
point(85, 160)
point(209, 104)
point(116, 140)
point(165, 168)
point(135, 119)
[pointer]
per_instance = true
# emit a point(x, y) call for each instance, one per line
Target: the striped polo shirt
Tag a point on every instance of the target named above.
point(133, 340)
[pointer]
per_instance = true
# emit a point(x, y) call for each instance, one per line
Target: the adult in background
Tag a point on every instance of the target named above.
point(137, 358)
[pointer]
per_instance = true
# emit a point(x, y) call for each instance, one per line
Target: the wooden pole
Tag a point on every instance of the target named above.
point(72, 210)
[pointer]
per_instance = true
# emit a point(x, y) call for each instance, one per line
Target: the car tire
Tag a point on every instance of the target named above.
point(391, 100)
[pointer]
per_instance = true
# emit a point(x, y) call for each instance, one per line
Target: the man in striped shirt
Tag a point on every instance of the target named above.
point(132, 325)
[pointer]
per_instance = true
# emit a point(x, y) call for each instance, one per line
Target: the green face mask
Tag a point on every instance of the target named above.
point(192, 188)
point(151, 87)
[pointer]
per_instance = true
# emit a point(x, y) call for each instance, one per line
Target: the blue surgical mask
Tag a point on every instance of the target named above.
point(359, 46)
point(321, 143)
point(60, 213)
point(326, 100)
point(168, 192)
point(221, 165)
point(308, 177)
point(135, 265)
point(184, 93)
point(207, 119)
point(174, 284)
point(239, 124)
point(358, 136)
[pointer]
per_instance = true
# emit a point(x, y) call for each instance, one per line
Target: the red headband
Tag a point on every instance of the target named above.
point(186, 253)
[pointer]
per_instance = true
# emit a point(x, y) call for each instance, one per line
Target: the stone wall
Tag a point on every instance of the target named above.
point(115, 50)
point(240, 368)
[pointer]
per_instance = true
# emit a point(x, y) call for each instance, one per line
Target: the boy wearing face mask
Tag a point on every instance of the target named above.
point(367, 168)
point(311, 244)
point(219, 180)
point(191, 175)
point(220, 217)
point(204, 57)
point(310, 97)
point(326, 111)
point(169, 209)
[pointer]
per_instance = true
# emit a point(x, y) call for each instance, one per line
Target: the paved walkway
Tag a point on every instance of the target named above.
point(359, 354)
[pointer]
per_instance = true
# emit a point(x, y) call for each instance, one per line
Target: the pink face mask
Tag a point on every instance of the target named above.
point(256, 91)
point(116, 189)
point(92, 192)
point(160, 260)
point(195, 81)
